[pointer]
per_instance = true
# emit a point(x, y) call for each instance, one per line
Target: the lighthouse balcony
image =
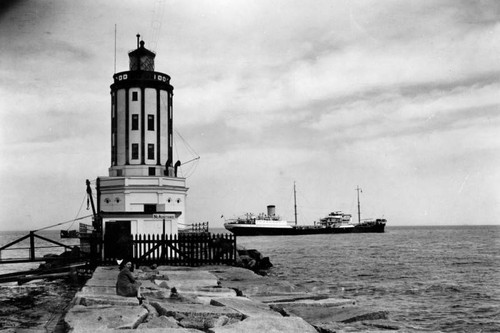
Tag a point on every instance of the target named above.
point(139, 170)
point(142, 76)
point(142, 182)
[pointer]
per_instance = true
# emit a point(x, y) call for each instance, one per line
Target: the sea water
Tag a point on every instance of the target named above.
point(428, 278)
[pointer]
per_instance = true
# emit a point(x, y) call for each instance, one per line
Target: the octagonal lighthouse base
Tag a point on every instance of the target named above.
point(142, 205)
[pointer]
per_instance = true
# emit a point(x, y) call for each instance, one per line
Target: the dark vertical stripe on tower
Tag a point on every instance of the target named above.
point(158, 126)
point(113, 130)
point(115, 127)
point(170, 134)
point(127, 128)
point(143, 133)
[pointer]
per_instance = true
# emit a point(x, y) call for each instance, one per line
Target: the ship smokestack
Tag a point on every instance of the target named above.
point(271, 210)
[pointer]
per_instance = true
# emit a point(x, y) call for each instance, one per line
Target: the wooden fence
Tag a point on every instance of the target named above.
point(182, 249)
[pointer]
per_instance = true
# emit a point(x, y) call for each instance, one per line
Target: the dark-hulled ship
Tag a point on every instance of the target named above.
point(271, 224)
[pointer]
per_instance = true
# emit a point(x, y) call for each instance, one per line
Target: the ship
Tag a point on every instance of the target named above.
point(271, 224)
point(69, 234)
point(261, 224)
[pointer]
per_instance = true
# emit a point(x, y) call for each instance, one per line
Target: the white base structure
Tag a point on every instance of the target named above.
point(153, 205)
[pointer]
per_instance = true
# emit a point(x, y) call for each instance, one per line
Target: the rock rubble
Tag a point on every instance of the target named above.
point(210, 299)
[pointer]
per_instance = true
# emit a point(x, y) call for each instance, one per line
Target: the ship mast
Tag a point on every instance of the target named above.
point(295, 202)
point(359, 209)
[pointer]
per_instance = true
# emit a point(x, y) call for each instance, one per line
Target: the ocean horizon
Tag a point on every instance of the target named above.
point(429, 278)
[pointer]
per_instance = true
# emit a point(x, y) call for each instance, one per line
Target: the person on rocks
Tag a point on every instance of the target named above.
point(126, 284)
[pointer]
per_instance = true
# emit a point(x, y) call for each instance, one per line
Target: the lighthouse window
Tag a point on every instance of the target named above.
point(149, 208)
point(135, 122)
point(151, 122)
point(135, 151)
point(134, 95)
point(151, 151)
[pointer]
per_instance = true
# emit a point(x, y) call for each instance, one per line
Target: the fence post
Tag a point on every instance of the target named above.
point(195, 250)
point(134, 244)
point(176, 241)
point(162, 248)
point(169, 249)
point(210, 248)
point(235, 249)
point(216, 249)
point(32, 245)
point(139, 246)
point(148, 245)
point(191, 251)
point(227, 254)
point(204, 249)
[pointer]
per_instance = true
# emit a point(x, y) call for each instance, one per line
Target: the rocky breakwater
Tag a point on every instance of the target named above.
point(212, 299)
point(253, 260)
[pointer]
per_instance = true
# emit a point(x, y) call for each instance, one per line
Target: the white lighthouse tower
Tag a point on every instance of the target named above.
point(142, 194)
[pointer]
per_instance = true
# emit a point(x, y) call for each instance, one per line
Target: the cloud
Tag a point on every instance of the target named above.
point(399, 97)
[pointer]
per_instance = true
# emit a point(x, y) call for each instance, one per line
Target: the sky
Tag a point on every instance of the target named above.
point(400, 98)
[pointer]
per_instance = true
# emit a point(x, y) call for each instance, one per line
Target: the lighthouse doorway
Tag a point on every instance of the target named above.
point(118, 240)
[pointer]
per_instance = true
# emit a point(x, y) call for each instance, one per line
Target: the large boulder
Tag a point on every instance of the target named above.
point(326, 314)
point(199, 316)
point(89, 319)
point(268, 325)
point(245, 306)
point(159, 322)
point(252, 259)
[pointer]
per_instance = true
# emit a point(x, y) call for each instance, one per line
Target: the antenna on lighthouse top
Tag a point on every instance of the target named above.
point(115, 49)
point(138, 36)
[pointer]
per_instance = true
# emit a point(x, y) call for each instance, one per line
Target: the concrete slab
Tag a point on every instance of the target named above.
point(103, 288)
point(204, 299)
point(230, 273)
point(268, 325)
point(168, 330)
point(188, 275)
point(162, 283)
point(245, 306)
point(198, 312)
point(101, 282)
point(147, 284)
point(208, 292)
point(288, 297)
point(156, 294)
point(180, 268)
point(102, 271)
point(145, 275)
point(90, 299)
point(160, 322)
point(85, 319)
point(139, 330)
point(111, 273)
point(328, 302)
point(348, 314)
point(203, 324)
point(99, 290)
point(186, 284)
point(263, 287)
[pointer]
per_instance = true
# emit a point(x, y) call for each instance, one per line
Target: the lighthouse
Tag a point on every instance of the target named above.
point(143, 193)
